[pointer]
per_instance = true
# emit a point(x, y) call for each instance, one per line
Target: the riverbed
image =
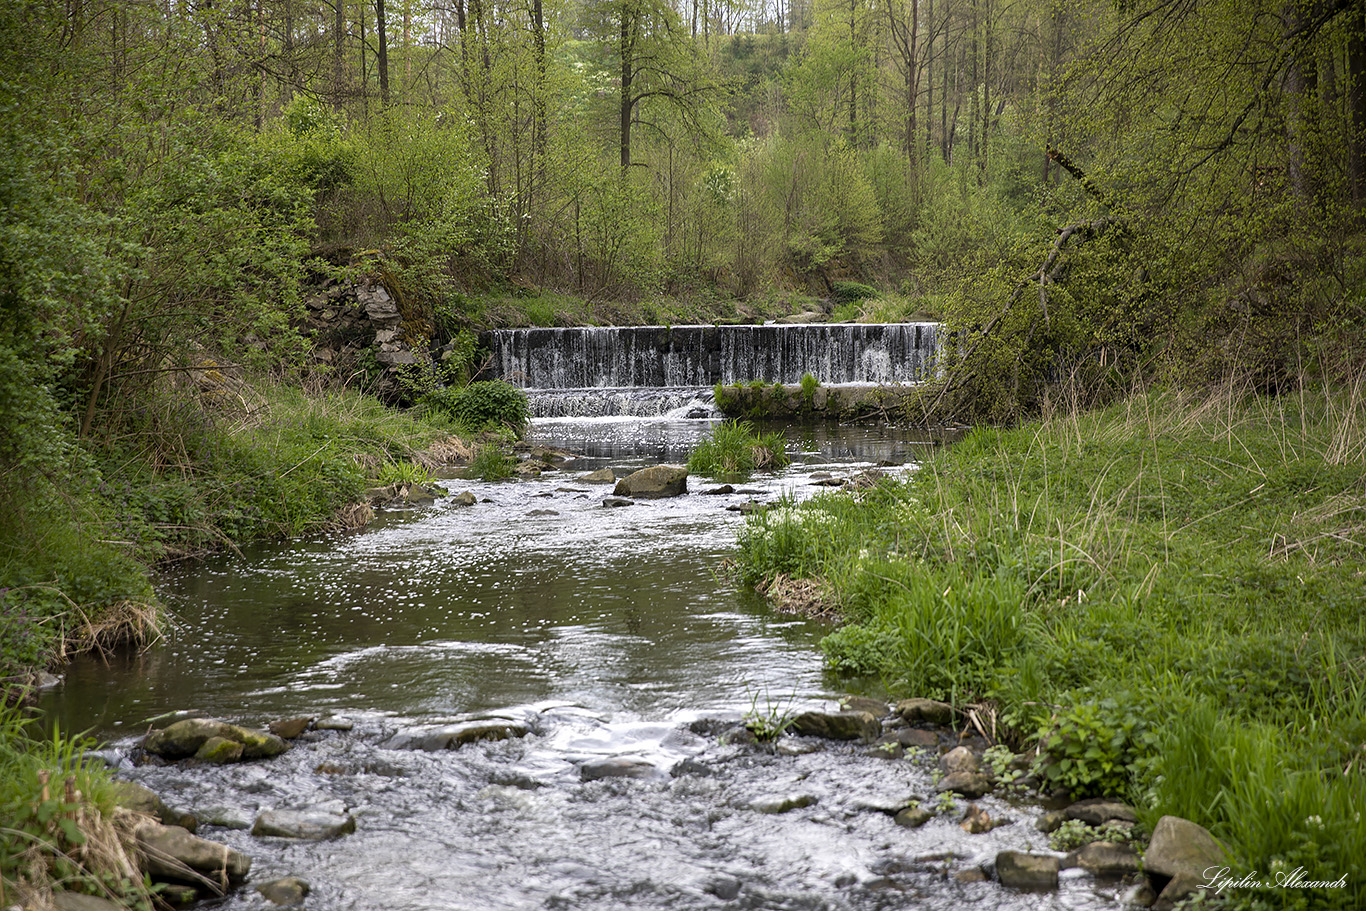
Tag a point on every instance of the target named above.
point(607, 633)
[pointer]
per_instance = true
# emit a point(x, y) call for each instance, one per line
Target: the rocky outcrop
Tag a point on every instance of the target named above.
point(186, 738)
point(653, 483)
point(838, 725)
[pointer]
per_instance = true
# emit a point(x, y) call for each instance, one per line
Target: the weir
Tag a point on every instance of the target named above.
point(639, 370)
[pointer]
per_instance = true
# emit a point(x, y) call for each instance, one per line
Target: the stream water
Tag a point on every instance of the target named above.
point(610, 632)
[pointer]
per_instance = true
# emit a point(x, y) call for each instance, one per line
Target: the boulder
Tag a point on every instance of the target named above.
point(288, 892)
point(465, 498)
point(601, 476)
point(1050, 822)
point(912, 817)
point(783, 803)
point(312, 825)
point(654, 483)
point(1106, 858)
point(1180, 849)
point(1019, 870)
point(184, 738)
point(611, 502)
point(170, 852)
point(970, 875)
point(1099, 810)
point(971, 785)
point(838, 725)
point(925, 710)
point(959, 759)
point(219, 750)
point(1179, 887)
point(618, 767)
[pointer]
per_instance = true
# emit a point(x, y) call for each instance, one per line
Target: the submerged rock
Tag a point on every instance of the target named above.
point(618, 767)
point(312, 825)
point(288, 892)
point(1019, 870)
point(718, 491)
point(185, 738)
point(838, 725)
point(877, 707)
point(455, 736)
point(912, 817)
point(653, 483)
point(611, 502)
point(784, 803)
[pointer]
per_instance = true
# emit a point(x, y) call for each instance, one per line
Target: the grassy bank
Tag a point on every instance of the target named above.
point(193, 472)
point(1165, 596)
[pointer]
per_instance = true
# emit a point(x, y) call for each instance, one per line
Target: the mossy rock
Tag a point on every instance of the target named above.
point(186, 738)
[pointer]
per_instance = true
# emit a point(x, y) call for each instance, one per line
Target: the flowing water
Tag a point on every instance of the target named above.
point(610, 633)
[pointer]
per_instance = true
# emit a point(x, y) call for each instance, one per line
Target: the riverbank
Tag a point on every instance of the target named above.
point(1164, 595)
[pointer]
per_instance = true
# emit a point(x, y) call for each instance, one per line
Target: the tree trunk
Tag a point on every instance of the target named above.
point(381, 54)
point(338, 53)
point(627, 51)
point(929, 80)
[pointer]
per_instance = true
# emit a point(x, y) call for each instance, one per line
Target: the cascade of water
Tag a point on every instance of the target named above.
point(701, 356)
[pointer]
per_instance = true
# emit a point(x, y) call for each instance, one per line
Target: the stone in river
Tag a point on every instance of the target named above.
point(654, 482)
point(618, 767)
point(312, 825)
point(1033, 872)
point(838, 725)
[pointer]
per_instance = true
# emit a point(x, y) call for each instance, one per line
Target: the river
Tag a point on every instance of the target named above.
point(608, 632)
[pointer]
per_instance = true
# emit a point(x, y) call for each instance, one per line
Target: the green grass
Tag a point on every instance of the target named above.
point(56, 834)
point(1166, 595)
point(737, 449)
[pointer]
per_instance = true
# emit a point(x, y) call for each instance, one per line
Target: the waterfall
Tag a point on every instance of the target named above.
point(586, 357)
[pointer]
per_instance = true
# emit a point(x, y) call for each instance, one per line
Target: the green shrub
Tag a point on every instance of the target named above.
point(736, 448)
point(851, 292)
point(809, 386)
point(482, 405)
point(1097, 746)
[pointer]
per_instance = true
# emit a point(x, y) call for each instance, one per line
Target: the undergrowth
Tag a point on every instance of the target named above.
point(1163, 596)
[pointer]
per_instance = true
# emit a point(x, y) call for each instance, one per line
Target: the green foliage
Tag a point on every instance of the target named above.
point(404, 472)
point(1074, 834)
point(482, 405)
point(851, 292)
point(1096, 745)
point(737, 448)
point(52, 799)
point(491, 462)
point(772, 721)
point(809, 386)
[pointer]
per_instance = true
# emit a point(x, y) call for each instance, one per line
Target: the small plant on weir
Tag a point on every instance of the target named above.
point(770, 722)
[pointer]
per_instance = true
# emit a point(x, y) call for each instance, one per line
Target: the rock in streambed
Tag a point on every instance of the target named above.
point(186, 738)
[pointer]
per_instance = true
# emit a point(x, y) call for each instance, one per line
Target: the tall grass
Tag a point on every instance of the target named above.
point(1177, 576)
point(736, 449)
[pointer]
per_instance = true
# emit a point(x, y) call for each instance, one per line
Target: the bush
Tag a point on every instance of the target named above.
point(482, 405)
point(736, 448)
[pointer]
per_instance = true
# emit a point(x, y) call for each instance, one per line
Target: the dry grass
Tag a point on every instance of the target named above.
point(134, 623)
point(803, 597)
point(445, 452)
